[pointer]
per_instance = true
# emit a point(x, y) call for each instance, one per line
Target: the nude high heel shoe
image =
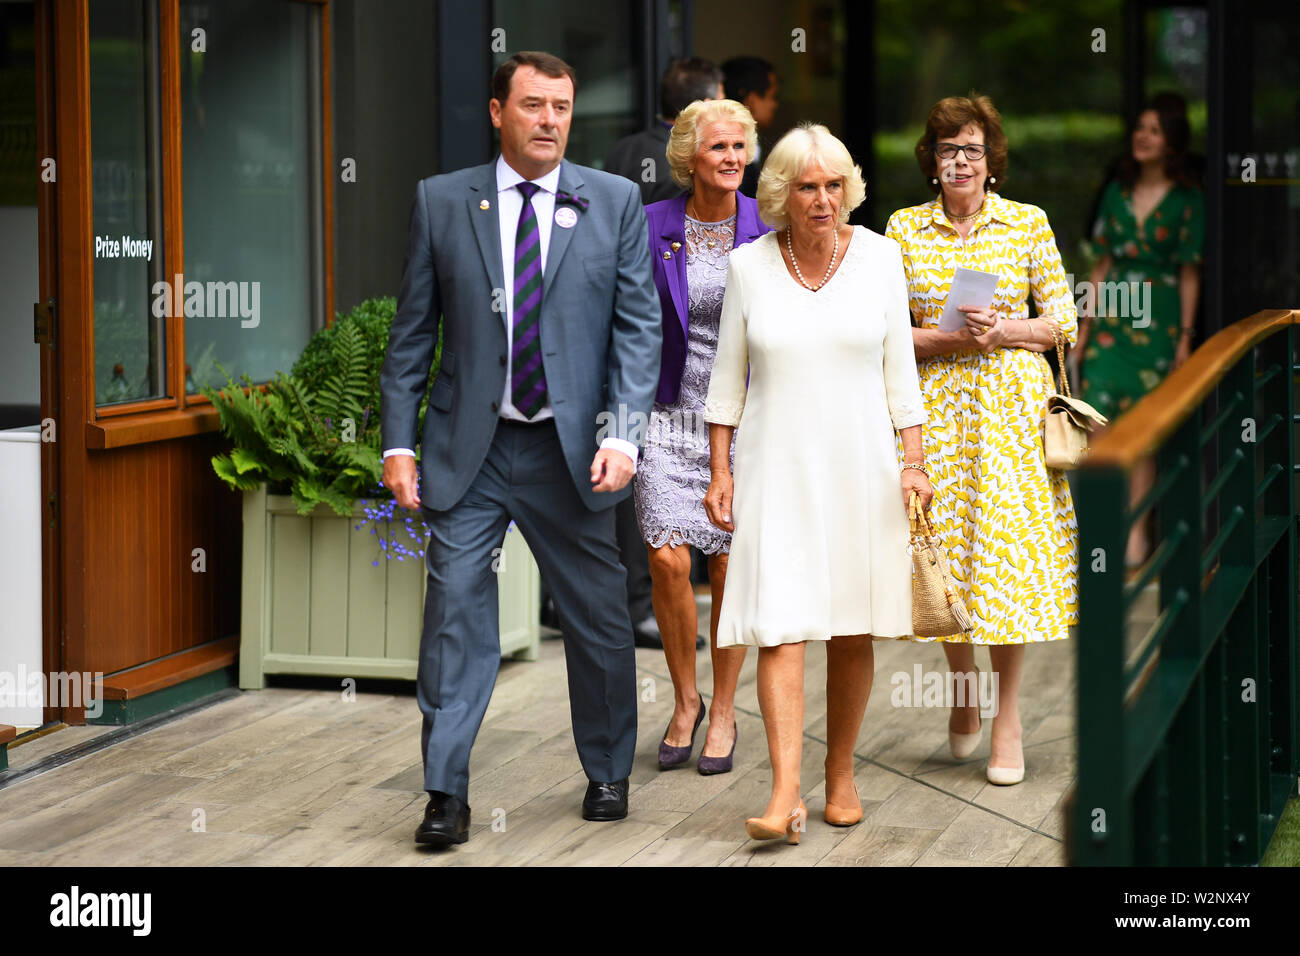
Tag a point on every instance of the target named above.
point(963, 745)
point(843, 816)
point(790, 826)
point(1006, 776)
point(838, 816)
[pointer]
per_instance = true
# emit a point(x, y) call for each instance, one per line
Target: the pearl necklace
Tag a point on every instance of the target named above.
point(835, 254)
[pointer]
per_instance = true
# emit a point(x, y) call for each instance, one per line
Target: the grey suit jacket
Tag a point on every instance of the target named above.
point(601, 330)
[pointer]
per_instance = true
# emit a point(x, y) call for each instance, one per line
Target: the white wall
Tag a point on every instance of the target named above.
point(20, 573)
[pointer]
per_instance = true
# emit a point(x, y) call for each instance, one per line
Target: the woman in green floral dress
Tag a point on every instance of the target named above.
point(1149, 232)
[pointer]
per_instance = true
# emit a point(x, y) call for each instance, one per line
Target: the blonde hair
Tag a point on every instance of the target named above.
point(804, 145)
point(684, 140)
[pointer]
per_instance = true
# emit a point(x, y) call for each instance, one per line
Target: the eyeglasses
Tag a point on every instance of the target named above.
point(971, 151)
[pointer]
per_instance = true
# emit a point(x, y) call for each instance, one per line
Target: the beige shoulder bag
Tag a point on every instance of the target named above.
point(1069, 420)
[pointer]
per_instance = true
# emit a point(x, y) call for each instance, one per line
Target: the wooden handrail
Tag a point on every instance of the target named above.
point(1144, 428)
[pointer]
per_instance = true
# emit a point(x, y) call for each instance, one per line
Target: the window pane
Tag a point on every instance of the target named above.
point(1261, 222)
point(130, 356)
point(598, 41)
point(248, 137)
point(20, 362)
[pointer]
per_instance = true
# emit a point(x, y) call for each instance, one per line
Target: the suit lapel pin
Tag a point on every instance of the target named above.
point(485, 205)
point(676, 246)
point(667, 254)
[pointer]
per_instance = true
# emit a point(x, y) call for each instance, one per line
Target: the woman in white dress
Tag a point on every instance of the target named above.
point(816, 315)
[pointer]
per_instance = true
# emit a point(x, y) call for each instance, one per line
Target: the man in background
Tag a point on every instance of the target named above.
point(751, 80)
point(640, 158)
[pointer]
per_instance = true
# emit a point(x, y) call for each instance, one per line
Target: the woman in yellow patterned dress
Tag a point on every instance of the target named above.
point(1005, 521)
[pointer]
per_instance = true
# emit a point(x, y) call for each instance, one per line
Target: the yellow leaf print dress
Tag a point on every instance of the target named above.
point(1006, 522)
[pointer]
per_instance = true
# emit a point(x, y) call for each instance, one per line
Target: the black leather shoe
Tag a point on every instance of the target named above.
point(550, 617)
point(446, 821)
point(646, 634)
point(605, 801)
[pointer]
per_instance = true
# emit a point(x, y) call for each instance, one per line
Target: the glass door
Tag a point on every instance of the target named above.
point(600, 43)
point(21, 653)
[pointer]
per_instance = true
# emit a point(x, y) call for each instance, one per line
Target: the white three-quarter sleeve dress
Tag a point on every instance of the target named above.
point(820, 546)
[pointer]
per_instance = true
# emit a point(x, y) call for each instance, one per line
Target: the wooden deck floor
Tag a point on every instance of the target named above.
point(294, 776)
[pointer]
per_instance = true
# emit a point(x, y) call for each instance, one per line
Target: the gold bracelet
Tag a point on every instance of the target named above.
point(918, 465)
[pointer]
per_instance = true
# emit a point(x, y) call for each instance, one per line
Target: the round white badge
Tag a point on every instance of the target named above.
point(566, 217)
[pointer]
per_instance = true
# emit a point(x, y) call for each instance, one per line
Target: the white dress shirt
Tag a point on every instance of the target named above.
point(510, 202)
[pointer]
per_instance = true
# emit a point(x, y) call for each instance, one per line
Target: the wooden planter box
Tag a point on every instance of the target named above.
point(313, 603)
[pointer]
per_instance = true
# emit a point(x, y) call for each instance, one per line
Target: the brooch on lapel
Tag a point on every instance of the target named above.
point(485, 205)
point(561, 197)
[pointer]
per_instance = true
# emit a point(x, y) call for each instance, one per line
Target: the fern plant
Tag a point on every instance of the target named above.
point(373, 318)
point(314, 433)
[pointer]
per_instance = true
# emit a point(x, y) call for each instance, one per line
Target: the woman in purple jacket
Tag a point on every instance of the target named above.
point(691, 238)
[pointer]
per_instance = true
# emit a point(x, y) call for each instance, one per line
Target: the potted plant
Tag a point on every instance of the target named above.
point(333, 572)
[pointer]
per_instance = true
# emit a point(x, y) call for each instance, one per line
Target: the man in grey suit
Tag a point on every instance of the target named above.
point(540, 272)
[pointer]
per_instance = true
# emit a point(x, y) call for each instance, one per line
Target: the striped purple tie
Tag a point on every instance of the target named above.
point(527, 381)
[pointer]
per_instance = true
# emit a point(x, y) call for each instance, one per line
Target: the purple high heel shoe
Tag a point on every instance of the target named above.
point(711, 765)
point(670, 757)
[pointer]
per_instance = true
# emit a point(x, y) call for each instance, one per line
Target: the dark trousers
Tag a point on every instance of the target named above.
point(524, 478)
point(632, 554)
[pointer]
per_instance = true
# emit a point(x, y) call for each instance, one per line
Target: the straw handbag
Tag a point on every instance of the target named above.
point(1069, 420)
point(937, 608)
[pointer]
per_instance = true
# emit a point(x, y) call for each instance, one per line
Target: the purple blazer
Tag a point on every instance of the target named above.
point(667, 222)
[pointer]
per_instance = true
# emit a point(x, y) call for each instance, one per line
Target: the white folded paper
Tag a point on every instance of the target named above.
point(969, 287)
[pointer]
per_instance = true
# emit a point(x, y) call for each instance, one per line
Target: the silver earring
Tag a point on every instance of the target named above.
point(934, 182)
point(993, 179)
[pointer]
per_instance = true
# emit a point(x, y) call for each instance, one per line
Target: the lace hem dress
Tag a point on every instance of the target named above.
point(673, 473)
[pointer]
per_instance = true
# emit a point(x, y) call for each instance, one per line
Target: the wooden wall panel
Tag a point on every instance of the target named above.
point(73, 402)
point(367, 585)
point(290, 576)
point(329, 593)
point(148, 507)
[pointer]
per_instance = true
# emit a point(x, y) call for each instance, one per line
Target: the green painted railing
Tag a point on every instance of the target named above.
point(1188, 669)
